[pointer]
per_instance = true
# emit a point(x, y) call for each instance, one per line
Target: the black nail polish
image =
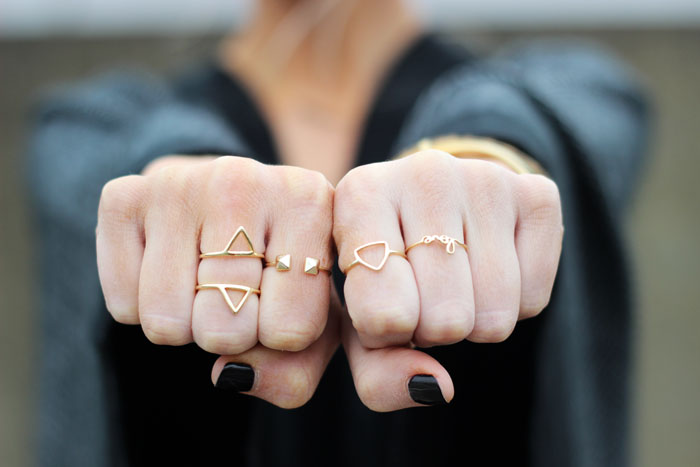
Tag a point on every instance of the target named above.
point(236, 377)
point(424, 389)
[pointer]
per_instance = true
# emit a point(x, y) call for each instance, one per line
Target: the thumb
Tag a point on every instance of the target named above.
point(395, 378)
point(285, 379)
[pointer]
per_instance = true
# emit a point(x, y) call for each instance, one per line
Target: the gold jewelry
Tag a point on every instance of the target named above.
point(449, 242)
point(359, 260)
point(282, 263)
point(312, 266)
point(227, 251)
point(471, 147)
point(224, 287)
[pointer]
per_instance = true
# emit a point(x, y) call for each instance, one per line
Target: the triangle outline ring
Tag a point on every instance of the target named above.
point(250, 253)
point(387, 252)
point(223, 288)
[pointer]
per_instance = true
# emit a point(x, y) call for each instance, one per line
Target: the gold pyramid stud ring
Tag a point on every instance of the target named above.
point(249, 253)
point(283, 263)
point(312, 266)
point(376, 267)
point(449, 242)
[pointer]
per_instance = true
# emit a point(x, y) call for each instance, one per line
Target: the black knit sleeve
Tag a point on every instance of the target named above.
point(584, 118)
point(110, 127)
point(83, 137)
point(571, 106)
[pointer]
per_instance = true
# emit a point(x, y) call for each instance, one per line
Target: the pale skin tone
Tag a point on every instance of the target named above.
point(152, 228)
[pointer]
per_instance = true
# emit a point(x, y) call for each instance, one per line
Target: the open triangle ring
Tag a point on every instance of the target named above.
point(224, 288)
point(374, 267)
point(249, 253)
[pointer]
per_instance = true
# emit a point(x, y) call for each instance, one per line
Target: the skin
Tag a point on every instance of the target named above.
point(153, 226)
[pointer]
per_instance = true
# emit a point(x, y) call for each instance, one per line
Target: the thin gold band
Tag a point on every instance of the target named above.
point(449, 242)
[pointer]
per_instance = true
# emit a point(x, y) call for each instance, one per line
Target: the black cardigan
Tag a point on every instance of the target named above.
point(554, 394)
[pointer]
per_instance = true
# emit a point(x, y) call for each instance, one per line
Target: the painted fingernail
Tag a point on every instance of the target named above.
point(425, 389)
point(237, 377)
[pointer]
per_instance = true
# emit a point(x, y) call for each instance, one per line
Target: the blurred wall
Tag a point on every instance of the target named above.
point(90, 17)
point(663, 226)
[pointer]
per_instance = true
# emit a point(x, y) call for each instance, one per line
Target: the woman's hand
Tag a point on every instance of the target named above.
point(153, 227)
point(511, 225)
point(515, 230)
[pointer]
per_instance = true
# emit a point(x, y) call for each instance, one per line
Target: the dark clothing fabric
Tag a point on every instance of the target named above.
point(553, 394)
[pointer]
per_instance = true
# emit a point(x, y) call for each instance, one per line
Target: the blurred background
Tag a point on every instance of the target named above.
point(44, 43)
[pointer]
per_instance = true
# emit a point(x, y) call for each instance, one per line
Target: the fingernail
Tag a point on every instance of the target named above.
point(425, 389)
point(236, 377)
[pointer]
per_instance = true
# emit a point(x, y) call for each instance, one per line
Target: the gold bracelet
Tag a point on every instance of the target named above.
point(471, 147)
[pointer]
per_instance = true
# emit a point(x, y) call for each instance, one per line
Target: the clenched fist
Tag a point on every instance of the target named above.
point(152, 229)
point(441, 292)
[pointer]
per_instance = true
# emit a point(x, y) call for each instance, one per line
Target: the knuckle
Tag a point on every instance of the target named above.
point(361, 187)
point(493, 178)
point(174, 191)
point(360, 181)
point(371, 391)
point(532, 303)
point(121, 199)
point(454, 328)
point(295, 337)
point(492, 326)
point(235, 179)
point(222, 343)
point(488, 185)
point(307, 196)
point(238, 187)
point(429, 157)
point(433, 173)
point(296, 388)
point(386, 321)
point(165, 330)
point(124, 314)
point(541, 199)
point(160, 163)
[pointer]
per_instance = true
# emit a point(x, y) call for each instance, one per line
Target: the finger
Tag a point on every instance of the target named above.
point(294, 304)
point(383, 304)
point(120, 245)
point(443, 278)
point(538, 241)
point(395, 378)
point(233, 199)
point(285, 379)
point(490, 230)
point(169, 264)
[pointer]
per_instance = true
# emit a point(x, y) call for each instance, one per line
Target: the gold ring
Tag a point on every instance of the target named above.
point(283, 263)
point(449, 242)
point(250, 253)
point(312, 266)
point(224, 287)
point(359, 260)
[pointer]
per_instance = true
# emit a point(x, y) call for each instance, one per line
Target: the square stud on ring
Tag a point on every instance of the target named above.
point(283, 263)
point(311, 266)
